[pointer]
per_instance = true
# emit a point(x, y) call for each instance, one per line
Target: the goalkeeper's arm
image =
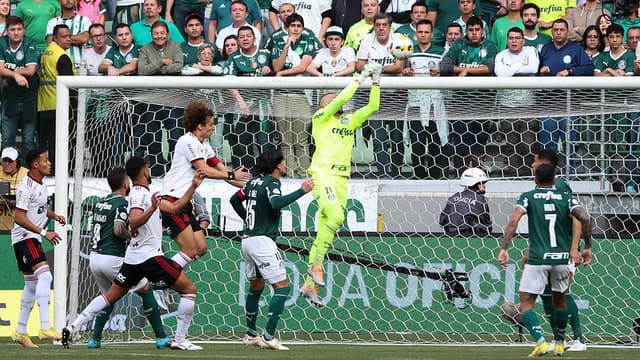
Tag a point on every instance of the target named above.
point(360, 116)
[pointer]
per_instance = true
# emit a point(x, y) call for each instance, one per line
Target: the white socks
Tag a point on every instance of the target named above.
point(43, 294)
point(26, 302)
point(185, 315)
point(98, 303)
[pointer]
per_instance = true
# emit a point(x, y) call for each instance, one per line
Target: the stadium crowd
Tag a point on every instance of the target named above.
point(45, 38)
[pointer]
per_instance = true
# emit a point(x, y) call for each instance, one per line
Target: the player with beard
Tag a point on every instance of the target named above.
point(467, 211)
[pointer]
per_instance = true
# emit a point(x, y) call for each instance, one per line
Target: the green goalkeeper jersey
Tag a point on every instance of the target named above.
point(333, 133)
point(112, 208)
point(550, 225)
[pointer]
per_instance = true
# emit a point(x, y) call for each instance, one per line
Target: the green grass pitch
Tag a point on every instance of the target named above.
point(301, 351)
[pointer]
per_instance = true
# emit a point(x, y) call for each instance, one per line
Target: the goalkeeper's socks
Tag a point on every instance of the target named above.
point(574, 318)
point(152, 312)
point(101, 320)
point(276, 307)
point(530, 320)
point(251, 310)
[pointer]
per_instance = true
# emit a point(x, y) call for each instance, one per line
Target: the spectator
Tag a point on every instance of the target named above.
point(357, 31)
point(229, 47)
point(141, 30)
point(333, 59)
point(125, 12)
point(316, 15)
point(195, 38)
point(95, 54)
point(220, 17)
point(518, 60)
point(551, 11)
point(267, 29)
point(20, 90)
point(633, 37)
point(442, 13)
point(280, 35)
point(399, 10)
point(177, 11)
point(489, 10)
point(5, 9)
point(54, 61)
point(532, 37)
point(239, 14)
point(375, 48)
point(503, 24)
point(79, 26)
point(561, 58)
point(205, 64)
point(467, 212)
point(630, 16)
point(454, 33)
point(12, 173)
point(291, 56)
point(159, 57)
point(603, 23)
point(419, 11)
point(246, 135)
point(36, 14)
point(92, 9)
point(345, 13)
point(123, 58)
point(592, 43)
point(583, 16)
point(467, 7)
point(471, 56)
point(427, 135)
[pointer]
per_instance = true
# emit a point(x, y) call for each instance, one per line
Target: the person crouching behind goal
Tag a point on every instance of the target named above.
point(193, 153)
point(261, 223)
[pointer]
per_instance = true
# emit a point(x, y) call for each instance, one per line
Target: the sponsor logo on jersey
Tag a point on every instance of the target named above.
point(343, 132)
point(556, 256)
point(547, 196)
point(551, 8)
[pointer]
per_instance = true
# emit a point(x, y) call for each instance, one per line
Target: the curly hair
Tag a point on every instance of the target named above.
point(196, 113)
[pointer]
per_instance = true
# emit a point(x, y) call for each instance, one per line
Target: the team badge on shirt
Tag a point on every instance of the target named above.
point(622, 65)
point(566, 59)
point(262, 58)
point(19, 55)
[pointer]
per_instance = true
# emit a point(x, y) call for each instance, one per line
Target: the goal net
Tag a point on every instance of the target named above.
point(392, 275)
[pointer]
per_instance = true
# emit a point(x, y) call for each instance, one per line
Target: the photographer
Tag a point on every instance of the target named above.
point(12, 173)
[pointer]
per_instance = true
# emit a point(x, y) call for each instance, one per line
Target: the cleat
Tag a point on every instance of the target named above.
point(253, 340)
point(558, 350)
point(93, 344)
point(66, 339)
point(163, 343)
point(311, 294)
point(49, 334)
point(273, 344)
point(185, 345)
point(317, 274)
point(576, 345)
point(23, 339)
point(540, 349)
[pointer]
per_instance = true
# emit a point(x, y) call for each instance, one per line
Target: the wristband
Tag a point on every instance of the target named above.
point(43, 232)
point(231, 175)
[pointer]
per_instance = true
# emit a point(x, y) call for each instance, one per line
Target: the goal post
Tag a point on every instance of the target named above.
point(387, 268)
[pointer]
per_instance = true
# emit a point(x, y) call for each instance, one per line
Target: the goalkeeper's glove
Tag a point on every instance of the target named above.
point(363, 75)
point(375, 69)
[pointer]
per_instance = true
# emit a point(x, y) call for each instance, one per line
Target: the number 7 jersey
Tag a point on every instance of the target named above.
point(550, 226)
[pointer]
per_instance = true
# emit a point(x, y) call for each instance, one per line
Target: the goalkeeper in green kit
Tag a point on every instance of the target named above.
point(333, 133)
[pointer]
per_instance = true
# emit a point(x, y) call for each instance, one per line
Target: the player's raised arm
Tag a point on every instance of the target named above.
point(175, 207)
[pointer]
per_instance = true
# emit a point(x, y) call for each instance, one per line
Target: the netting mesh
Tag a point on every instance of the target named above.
point(393, 211)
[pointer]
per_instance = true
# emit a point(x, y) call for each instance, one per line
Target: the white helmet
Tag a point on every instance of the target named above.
point(473, 176)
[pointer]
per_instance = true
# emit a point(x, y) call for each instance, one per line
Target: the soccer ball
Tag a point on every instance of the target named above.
point(401, 47)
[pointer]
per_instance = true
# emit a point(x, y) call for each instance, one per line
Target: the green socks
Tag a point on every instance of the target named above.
point(530, 320)
point(276, 307)
point(251, 309)
point(574, 318)
point(101, 320)
point(152, 312)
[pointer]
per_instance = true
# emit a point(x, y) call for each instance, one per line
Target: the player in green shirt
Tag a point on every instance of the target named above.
point(555, 221)
point(333, 133)
point(264, 200)
point(109, 239)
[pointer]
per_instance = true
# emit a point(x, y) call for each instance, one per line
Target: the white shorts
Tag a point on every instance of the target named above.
point(105, 268)
point(536, 277)
point(263, 259)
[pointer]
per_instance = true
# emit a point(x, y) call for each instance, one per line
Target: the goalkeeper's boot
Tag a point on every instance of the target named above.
point(23, 339)
point(540, 349)
point(93, 344)
point(163, 343)
point(311, 294)
point(317, 274)
point(67, 334)
point(253, 340)
point(558, 350)
point(273, 344)
point(576, 345)
point(49, 334)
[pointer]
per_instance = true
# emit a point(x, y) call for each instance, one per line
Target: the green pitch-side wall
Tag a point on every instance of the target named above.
point(366, 300)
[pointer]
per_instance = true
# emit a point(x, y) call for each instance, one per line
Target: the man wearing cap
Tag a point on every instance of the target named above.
point(333, 60)
point(194, 31)
point(12, 173)
point(467, 211)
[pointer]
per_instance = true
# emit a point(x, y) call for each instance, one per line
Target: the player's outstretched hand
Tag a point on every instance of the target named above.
point(503, 257)
point(52, 237)
point(587, 256)
point(60, 219)
point(241, 174)
point(307, 185)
